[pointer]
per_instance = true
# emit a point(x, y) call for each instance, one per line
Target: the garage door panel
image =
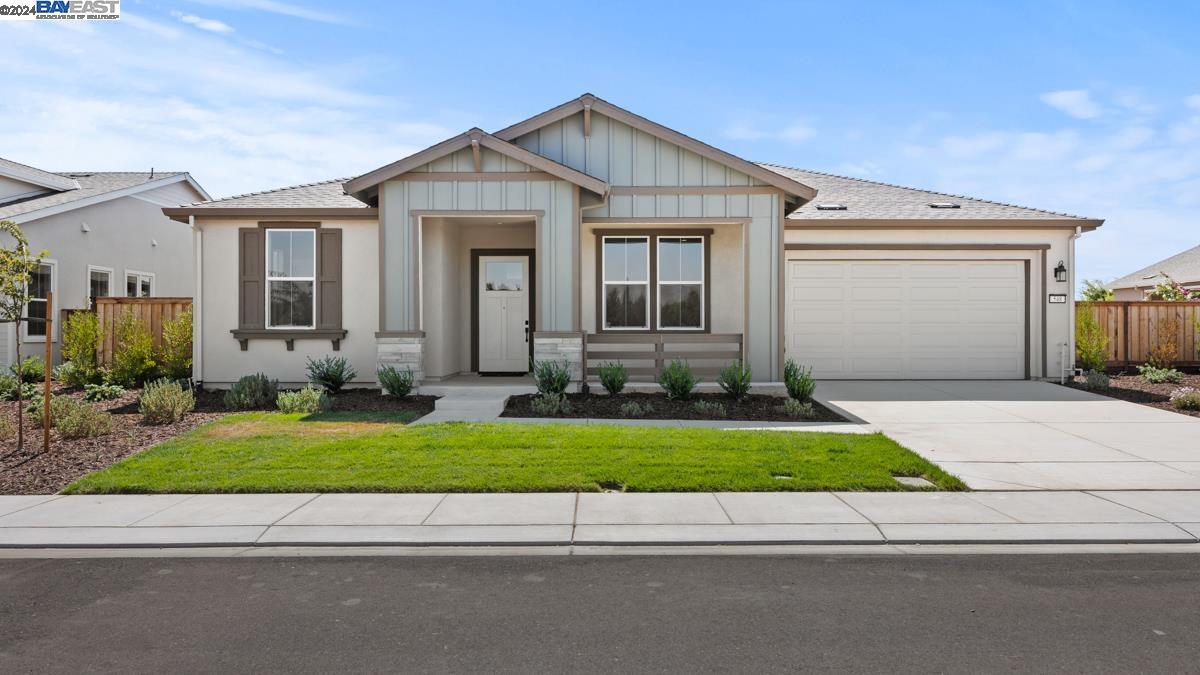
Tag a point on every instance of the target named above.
point(908, 319)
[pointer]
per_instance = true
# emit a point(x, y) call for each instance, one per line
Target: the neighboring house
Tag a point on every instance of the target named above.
point(1184, 268)
point(106, 236)
point(478, 251)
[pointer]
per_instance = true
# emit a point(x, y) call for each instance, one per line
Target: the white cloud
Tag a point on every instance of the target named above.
point(211, 25)
point(1077, 103)
point(281, 8)
point(797, 132)
point(1193, 101)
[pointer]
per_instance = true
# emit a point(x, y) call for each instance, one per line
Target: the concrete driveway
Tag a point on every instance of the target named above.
point(1015, 435)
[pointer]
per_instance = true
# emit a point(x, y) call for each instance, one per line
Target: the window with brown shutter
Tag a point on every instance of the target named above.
point(289, 283)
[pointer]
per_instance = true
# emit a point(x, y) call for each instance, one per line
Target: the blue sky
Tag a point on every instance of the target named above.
point(1085, 107)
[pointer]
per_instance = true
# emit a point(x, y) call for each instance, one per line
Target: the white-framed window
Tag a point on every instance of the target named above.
point(680, 283)
point(625, 262)
point(291, 278)
point(139, 284)
point(99, 283)
point(44, 280)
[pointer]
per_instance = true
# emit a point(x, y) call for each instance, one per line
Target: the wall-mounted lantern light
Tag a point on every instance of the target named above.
point(1060, 272)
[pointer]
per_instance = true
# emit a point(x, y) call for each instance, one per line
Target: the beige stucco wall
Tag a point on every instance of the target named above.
point(121, 237)
point(1050, 325)
point(221, 359)
point(1130, 294)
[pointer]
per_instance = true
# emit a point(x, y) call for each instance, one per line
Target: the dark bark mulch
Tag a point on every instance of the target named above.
point(1132, 388)
point(755, 408)
point(33, 472)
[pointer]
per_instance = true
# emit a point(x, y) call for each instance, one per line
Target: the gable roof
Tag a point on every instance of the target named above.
point(1182, 267)
point(871, 200)
point(93, 187)
point(29, 174)
point(467, 139)
point(326, 197)
point(599, 105)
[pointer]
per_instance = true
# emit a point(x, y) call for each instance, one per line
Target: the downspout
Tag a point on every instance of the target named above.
point(197, 307)
point(1069, 357)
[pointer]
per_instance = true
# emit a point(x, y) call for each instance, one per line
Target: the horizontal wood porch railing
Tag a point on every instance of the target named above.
point(1133, 328)
point(645, 354)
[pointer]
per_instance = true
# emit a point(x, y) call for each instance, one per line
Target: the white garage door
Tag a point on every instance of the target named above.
point(907, 319)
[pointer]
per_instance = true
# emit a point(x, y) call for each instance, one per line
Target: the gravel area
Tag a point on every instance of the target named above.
point(1134, 389)
point(756, 407)
point(33, 472)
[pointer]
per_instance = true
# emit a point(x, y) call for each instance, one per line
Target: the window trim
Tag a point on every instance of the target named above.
point(658, 284)
point(648, 284)
point(140, 274)
point(26, 337)
point(652, 317)
point(267, 278)
point(87, 280)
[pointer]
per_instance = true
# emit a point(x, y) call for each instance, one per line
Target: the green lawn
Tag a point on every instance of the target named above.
point(349, 452)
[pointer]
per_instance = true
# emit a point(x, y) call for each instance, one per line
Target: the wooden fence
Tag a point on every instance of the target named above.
point(1133, 328)
point(645, 354)
point(151, 311)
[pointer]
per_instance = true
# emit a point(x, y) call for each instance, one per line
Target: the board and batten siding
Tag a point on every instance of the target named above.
point(627, 157)
point(400, 199)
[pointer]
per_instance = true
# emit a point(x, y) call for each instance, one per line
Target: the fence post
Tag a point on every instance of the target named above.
point(46, 373)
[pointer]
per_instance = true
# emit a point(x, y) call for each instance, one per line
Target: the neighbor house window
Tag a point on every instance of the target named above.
point(681, 283)
point(626, 280)
point(41, 283)
point(99, 284)
point(138, 284)
point(291, 278)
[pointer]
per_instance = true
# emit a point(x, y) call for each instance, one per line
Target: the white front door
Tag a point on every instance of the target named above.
point(504, 314)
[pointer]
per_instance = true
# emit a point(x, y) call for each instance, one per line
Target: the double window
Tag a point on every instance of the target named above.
point(99, 284)
point(41, 283)
point(653, 282)
point(291, 278)
point(138, 284)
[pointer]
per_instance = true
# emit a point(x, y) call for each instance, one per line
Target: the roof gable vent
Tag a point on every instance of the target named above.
point(945, 205)
point(831, 207)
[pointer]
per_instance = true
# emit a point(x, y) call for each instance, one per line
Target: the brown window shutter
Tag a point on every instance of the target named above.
point(329, 278)
point(252, 294)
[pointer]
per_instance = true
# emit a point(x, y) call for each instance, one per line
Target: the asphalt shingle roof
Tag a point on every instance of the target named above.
point(36, 176)
point(870, 200)
point(91, 183)
point(325, 194)
point(1182, 267)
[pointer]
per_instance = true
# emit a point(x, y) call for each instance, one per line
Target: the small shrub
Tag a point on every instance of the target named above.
point(1156, 375)
point(1096, 379)
point(613, 377)
point(252, 392)
point(551, 377)
point(797, 409)
point(549, 405)
point(8, 389)
point(32, 369)
point(677, 380)
point(133, 352)
point(1166, 343)
point(59, 407)
point(308, 400)
point(81, 339)
point(8, 428)
point(102, 392)
point(799, 381)
point(635, 409)
point(1186, 398)
point(710, 409)
point(330, 373)
point(396, 383)
point(175, 355)
point(735, 380)
point(165, 401)
point(62, 372)
point(1094, 291)
point(83, 421)
point(1091, 344)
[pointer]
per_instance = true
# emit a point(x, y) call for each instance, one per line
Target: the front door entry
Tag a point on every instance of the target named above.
point(504, 313)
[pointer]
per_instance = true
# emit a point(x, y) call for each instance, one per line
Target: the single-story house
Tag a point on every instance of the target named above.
point(1184, 268)
point(106, 234)
point(590, 229)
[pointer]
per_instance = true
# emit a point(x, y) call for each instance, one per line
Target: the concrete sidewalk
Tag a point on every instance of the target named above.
point(596, 519)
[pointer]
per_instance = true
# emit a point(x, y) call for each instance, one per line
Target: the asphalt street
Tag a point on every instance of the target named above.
point(1079, 613)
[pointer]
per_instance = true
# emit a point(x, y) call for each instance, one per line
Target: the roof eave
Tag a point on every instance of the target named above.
point(1085, 224)
point(181, 213)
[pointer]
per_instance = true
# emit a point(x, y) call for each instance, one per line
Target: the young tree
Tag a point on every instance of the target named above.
point(1094, 291)
point(17, 265)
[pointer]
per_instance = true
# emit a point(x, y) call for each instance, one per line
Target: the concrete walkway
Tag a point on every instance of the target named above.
point(1015, 435)
point(597, 519)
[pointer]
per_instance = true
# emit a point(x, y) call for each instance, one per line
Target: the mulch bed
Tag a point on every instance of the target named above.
point(755, 408)
point(33, 472)
point(1134, 389)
